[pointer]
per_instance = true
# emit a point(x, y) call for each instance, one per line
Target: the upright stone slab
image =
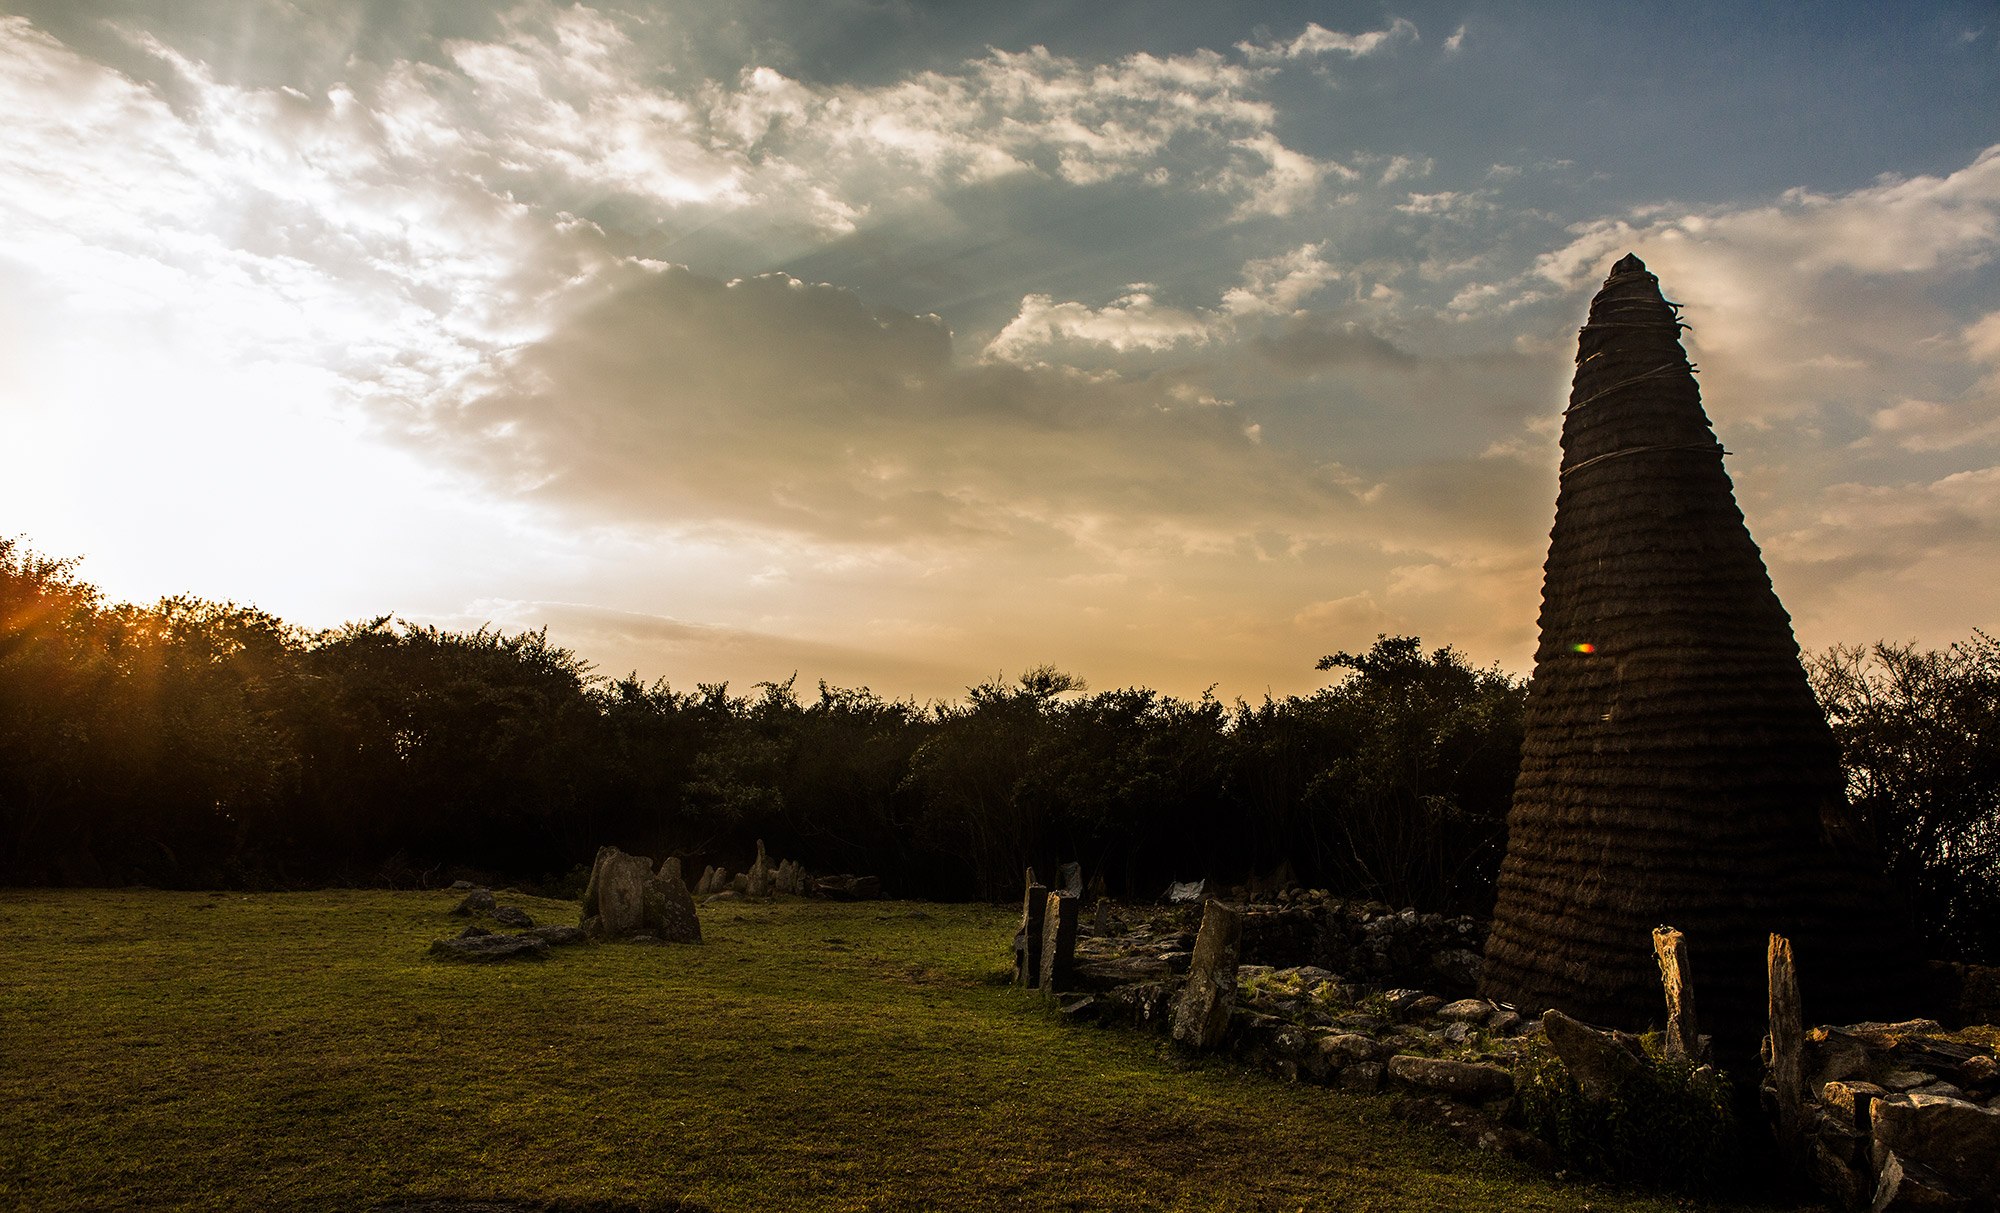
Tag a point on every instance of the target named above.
point(761, 882)
point(614, 902)
point(1201, 1014)
point(1028, 940)
point(672, 864)
point(1677, 980)
point(1785, 1046)
point(670, 912)
point(1059, 942)
point(1069, 879)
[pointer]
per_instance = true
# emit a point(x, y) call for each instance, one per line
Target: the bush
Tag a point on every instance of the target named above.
point(1672, 1125)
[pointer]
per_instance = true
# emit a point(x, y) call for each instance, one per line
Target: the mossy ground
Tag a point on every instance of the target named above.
point(277, 1051)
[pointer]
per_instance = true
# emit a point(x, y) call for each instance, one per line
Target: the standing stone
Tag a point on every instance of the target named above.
point(671, 863)
point(1028, 940)
point(625, 897)
point(1201, 1014)
point(1069, 879)
point(1786, 1043)
point(760, 883)
point(614, 902)
point(670, 912)
point(1677, 979)
point(1102, 927)
point(1059, 943)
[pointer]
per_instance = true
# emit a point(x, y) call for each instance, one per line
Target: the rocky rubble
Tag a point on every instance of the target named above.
point(1901, 1116)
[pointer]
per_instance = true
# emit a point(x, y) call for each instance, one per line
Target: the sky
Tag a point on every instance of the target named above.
point(913, 345)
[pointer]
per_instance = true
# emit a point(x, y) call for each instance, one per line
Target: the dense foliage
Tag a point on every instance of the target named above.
point(194, 743)
point(1920, 731)
point(199, 743)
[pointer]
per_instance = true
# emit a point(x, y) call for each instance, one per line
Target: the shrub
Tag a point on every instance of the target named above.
point(1670, 1125)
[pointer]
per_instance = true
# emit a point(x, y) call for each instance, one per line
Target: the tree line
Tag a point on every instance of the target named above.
point(200, 744)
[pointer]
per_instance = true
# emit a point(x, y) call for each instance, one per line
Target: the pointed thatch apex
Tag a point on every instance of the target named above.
point(1675, 767)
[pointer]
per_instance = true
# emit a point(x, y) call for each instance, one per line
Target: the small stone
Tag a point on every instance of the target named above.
point(1344, 1048)
point(1456, 1033)
point(1907, 1080)
point(510, 916)
point(1425, 1007)
point(486, 949)
point(1362, 1076)
point(461, 886)
point(479, 901)
point(1504, 1022)
point(1079, 1008)
point(1466, 1010)
point(1471, 1081)
point(1851, 1101)
point(473, 932)
point(1980, 1069)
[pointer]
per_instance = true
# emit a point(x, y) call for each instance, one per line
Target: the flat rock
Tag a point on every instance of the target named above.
point(512, 916)
point(558, 937)
point(486, 949)
point(1472, 1081)
point(1466, 1010)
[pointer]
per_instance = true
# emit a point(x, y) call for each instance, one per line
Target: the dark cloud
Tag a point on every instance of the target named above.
point(776, 404)
point(1315, 343)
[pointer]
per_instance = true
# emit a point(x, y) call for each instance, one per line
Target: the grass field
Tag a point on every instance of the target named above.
point(276, 1051)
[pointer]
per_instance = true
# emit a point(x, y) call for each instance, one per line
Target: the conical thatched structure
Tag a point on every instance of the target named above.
point(1676, 768)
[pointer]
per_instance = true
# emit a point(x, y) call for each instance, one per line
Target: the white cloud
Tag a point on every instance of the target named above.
point(1136, 322)
point(1453, 44)
point(1316, 39)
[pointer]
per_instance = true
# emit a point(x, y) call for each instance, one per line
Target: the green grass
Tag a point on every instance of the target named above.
point(208, 1051)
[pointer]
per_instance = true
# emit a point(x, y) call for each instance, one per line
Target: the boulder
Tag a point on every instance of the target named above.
point(1201, 1015)
point(848, 888)
point(1908, 1187)
point(486, 949)
point(614, 902)
point(626, 899)
point(670, 912)
point(1069, 879)
point(479, 901)
point(1601, 1062)
point(1957, 1140)
point(1471, 1081)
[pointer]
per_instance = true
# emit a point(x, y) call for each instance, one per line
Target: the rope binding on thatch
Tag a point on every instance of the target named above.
point(1715, 447)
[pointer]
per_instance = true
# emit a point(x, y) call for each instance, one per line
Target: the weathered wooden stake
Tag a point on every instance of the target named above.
point(1677, 979)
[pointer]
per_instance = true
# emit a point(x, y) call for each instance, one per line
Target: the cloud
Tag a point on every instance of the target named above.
point(1317, 343)
point(1316, 40)
point(1136, 322)
point(773, 403)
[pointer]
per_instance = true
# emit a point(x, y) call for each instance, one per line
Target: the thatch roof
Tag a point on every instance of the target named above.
point(1675, 768)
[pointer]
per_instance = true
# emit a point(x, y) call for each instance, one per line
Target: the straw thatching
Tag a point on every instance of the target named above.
point(1676, 768)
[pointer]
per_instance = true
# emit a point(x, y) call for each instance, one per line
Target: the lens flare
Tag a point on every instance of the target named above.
point(1584, 647)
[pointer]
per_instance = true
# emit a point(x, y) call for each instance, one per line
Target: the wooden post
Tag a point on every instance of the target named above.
point(1677, 979)
point(1787, 1049)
